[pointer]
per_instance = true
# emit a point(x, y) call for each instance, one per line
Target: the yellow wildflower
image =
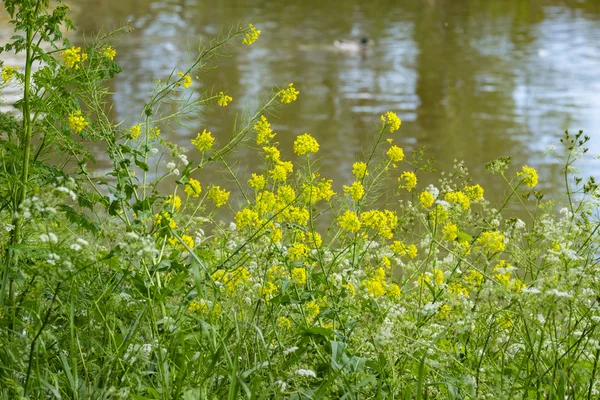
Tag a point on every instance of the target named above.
point(267, 290)
point(359, 170)
point(218, 196)
point(8, 73)
point(204, 141)
point(395, 154)
point(109, 53)
point(529, 176)
point(400, 248)
point(286, 194)
point(305, 144)
point(247, 218)
point(166, 218)
point(264, 133)
point(474, 192)
point(193, 188)
point(450, 231)
point(394, 290)
point(383, 221)
point(277, 272)
point(458, 290)
point(175, 201)
point(224, 100)
point(187, 239)
point(474, 277)
point(288, 94)
point(73, 57)
point(356, 191)
point(349, 221)
point(426, 199)
point(199, 306)
point(185, 81)
point(458, 198)
point(272, 153)
point(76, 121)
point(257, 182)
point(438, 215)
point(135, 131)
point(284, 322)
point(299, 275)
point(252, 35)
point(312, 309)
point(350, 288)
point(444, 311)
point(392, 120)
point(491, 241)
point(408, 180)
point(298, 251)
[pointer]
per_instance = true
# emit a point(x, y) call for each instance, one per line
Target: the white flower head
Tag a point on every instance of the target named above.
point(306, 372)
point(171, 166)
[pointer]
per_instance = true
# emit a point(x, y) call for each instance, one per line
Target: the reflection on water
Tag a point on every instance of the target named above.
point(471, 79)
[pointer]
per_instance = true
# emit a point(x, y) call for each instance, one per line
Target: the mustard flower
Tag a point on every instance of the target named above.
point(193, 188)
point(8, 73)
point(458, 198)
point(187, 239)
point(286, 194)
point(529, 176)
point(458, 290)
point(474, 277)
point(438, 215)
point(73, 57)
point(400, 248)
point(279, 173)
point(298, 251)
point(491, 241)
point(349, 221)
point(474, 192)
point(426, 199)
point(394, 290)
point(395, 153)
point(155, 132)
point(408, 180)
point(185, 80)
point(224, 100)
point(76, 121)
point(392, 120)
point(359, 170)
point(109, 53)
point(277, 272)
point(257, 182)
point(383, 221)
point(264, 133)
point(198, 306)
point(165, 217)
point(218, 196)
point(174, 201)
point(316, 192)
point(247, 218)
point(284, 322)
point(288, 94)
point(135, 131)
point(204, 141)
point(267, 290)
point(305, 144)
point(299, 276)
point(356, 191)
point(350, 288)
point(312, 309)
point(252, 35)
point(450, 231)
point(272, 153)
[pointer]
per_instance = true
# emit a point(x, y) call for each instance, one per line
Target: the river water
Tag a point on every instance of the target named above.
point(471, 79)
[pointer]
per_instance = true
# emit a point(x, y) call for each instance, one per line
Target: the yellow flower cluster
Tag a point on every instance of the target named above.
point(425, 278)
point(284, 322)
point(408, 180)
point(400, 248)
point(8, 73)
point(187, 239)
point(426, 199)
point(109, 53)
point(392, 120)
point(384, 222)
point(224, 100)
point(257, 182)
point(529, 176)
point(313, 192)
point(218, 196)
point(473, 277)
point(185, 80)
point(277, 272)
point(395, 153)
point(76, 121)
point(288, 94)
point(174, 201)
point(458, 198)
point(359, 170)
point(438, 215)
point(299, 276)
point(491, 241)
point(267, 290)
point(298, 251)
point(312, 309)
point(280, 172)
point(356, 191)
point(264, 133)
point(135, 131)
point(450, 231)
point(204, 141)
point(247, 218)
point(252, 35)
point(193, 188)
point(305, 144)
point(458, 290)
point(349, 221)
point(376, 284)
point(474, 192)
point(73, 57)
point(503, 275)
point(164, 219)
point(198, 306)
point(231, 280)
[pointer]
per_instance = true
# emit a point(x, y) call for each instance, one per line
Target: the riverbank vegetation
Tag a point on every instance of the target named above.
point(112, 287)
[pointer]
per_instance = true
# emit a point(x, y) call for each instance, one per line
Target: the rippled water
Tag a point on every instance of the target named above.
point(471, 79)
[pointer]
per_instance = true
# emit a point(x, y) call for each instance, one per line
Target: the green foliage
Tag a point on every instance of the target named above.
point(112, 288)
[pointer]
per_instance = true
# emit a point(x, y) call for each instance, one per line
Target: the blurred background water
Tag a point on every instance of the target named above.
point(471, 79)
